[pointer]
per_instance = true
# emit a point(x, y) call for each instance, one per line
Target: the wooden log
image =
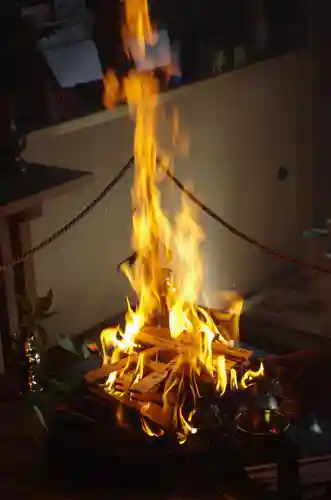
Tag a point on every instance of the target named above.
point(144, 396)
point(236, 353)
point(146, 389)
point(160, 340)
point(159, 373)
point(151, 397)
point(156, 336)
point(150, 410)
point(105, 370)
point(233, 356)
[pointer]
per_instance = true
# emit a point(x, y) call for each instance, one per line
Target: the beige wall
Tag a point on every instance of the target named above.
point(319, 43)
point(242, 127)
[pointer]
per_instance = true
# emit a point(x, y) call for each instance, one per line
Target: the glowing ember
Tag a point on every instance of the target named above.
point(165, 391)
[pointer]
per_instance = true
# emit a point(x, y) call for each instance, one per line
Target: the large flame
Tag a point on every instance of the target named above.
point(175, 297)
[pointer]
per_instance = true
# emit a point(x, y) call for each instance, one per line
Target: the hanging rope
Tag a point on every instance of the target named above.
point(241, 235)
point(130, 260)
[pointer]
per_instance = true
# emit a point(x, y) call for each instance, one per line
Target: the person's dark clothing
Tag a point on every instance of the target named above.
point(23, 69)
point(281, 16)
point(107, 33)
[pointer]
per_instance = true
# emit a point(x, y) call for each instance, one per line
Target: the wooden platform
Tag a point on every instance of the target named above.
point(39, 182)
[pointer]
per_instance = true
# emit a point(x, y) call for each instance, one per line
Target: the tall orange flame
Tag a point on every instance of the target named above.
point(152, 238)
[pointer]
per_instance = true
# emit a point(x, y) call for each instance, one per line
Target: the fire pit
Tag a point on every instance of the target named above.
point(89, 444)
point(140, 382)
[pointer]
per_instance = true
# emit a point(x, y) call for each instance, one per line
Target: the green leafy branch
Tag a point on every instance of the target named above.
point(32, 314)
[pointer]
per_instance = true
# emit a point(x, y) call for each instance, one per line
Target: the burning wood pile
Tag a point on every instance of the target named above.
point(159, 379)
point(163, 371)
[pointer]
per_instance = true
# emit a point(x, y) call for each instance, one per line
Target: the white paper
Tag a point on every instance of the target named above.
point(156, 55)
point(74, 63)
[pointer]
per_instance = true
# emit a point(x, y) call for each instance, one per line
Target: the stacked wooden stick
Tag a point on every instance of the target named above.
point(160, 355)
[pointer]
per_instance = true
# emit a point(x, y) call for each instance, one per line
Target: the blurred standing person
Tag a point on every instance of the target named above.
point(282, 16)
point(257, 29)
point(22, 79)
point(107, 20)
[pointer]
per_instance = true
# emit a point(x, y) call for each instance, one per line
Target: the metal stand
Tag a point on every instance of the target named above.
point(288, 470)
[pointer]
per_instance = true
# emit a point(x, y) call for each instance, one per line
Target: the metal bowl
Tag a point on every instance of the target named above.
point(262, 422)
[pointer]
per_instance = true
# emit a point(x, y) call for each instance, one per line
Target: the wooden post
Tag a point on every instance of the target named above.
point(8, 312)
point(21, 241)
point(15, 240)
point(325, 281)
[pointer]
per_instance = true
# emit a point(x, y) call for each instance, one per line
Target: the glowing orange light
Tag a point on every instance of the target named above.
point(159, 245)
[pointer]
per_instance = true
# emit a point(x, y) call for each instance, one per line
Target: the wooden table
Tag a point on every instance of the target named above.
point(21, 199)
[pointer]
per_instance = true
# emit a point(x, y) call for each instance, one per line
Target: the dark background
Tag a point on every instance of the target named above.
point(199, 25)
